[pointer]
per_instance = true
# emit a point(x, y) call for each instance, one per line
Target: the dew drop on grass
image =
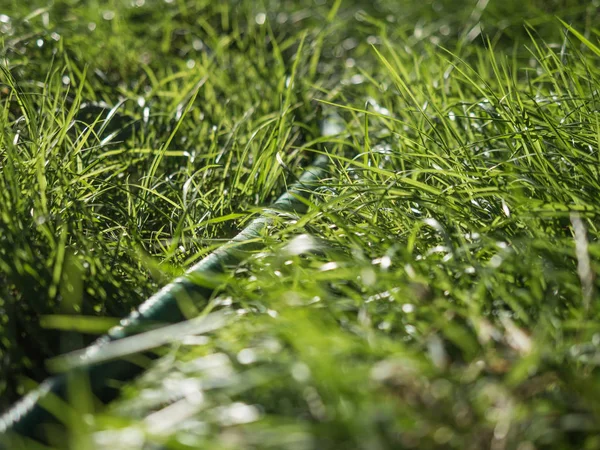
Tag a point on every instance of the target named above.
point(349, 43)
point(300, 372)
point(329, 266)
point(385, 326)
point(495, 261)
point(238, 413)
point(197, 44)
point(260, 18)
point(300, 244)
point(247, 356)
point(418, 32)
point(410, 329)
point(357, 79)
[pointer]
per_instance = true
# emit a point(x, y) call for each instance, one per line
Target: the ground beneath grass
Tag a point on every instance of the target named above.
point(440, 292)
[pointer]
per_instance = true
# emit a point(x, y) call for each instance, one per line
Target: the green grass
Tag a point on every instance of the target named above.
point(441, 291)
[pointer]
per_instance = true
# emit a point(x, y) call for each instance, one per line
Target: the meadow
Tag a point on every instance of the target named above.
point(440, 290)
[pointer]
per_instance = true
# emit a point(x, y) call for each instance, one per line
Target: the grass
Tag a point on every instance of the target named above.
point(441, 290)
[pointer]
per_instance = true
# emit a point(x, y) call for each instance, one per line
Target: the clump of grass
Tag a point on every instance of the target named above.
point(441, 290)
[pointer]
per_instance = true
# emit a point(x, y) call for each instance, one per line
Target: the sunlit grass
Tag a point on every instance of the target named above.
point(439, 293)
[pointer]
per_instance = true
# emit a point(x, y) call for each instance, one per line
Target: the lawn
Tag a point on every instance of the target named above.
point(439, 289)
